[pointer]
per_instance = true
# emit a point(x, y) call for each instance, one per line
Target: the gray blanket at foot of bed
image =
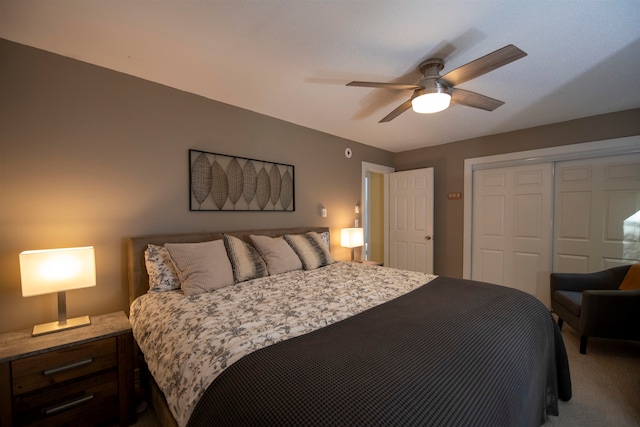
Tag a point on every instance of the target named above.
point(451, 353)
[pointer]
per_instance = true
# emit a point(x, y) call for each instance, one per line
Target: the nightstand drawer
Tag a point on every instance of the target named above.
point(43, 370)
point(82, 400)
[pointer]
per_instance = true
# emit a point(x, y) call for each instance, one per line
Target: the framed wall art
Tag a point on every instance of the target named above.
point(218, 182)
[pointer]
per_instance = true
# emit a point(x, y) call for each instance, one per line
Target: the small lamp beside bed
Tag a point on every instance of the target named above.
point(352, 238)
point(58, 270)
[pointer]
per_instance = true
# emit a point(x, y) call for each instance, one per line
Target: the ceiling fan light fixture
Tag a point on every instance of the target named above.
point(433, 92)
point(431, 103)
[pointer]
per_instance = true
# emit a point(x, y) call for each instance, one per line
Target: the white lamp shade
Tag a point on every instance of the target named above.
point(431, 102)
point(55, 270)
point(351, 237)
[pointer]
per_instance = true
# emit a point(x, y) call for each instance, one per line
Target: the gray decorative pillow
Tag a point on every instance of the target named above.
point(245, 260)
point(311, 249)
point(162, 274)
point(277, 254)
point(202, 267)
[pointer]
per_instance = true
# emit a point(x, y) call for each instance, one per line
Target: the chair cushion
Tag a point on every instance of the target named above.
point(570, 300)
point(632, 279)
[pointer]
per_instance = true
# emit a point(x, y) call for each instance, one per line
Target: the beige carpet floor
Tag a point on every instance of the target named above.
point(605, 384)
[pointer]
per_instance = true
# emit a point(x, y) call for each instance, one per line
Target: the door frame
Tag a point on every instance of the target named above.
point(372, 167)
point(585, 150)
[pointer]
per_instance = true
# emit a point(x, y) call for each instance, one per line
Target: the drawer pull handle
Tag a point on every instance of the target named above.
point(55, 409)
point(67, 367)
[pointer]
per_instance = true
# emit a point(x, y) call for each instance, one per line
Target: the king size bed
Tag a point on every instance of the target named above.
point(264, 327)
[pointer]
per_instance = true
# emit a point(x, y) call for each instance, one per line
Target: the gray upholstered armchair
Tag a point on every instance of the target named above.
point(592, 304)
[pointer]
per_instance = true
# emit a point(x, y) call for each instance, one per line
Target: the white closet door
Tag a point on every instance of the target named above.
point(597, 215)
point(512, 214)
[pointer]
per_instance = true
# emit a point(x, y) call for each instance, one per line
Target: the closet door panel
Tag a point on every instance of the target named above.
point(511, 242)
point(597, 215)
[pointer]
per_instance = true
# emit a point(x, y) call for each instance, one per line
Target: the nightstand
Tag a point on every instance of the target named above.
point(78, 377)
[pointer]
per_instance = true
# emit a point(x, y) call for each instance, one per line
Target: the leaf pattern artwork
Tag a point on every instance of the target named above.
point(250, 181)
point(201, 178)
point(218, 182)
point(276, 182)
point(286, 191)
point(236, 180)
point(264, 189)
point(220, 187)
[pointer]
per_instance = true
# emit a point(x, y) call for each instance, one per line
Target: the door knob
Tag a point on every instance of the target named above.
point(428, 237)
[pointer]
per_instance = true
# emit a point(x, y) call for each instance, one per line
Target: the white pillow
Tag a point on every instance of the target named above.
point(245, 260)
point(311, 249)
point(202, 267)
point(277, 253)
point(162, 274)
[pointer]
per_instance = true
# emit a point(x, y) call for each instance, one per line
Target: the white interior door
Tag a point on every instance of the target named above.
point(512, 221)
point(597, 214)
point(411, 220)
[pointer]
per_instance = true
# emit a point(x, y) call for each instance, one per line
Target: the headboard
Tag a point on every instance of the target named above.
point(137, 272)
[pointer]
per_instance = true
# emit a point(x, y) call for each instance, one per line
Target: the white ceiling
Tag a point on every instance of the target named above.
point(291, 59)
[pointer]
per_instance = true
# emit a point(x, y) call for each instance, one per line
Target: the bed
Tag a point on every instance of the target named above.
point(334, 343)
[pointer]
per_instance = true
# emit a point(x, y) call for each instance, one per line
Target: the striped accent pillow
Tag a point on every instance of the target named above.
point(311, 249)
point(245, 260)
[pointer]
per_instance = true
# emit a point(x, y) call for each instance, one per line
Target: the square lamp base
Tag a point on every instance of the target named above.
point(51, 327)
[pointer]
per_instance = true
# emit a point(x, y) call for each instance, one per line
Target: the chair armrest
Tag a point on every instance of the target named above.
point(578, 282)
point(605, 312)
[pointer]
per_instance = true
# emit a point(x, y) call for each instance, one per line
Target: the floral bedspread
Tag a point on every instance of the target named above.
point(189, 341)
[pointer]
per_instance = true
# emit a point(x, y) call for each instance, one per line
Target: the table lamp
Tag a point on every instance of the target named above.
point(352, 238)
point(58, 270)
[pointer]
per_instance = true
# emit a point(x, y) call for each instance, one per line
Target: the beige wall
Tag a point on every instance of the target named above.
point(89, 156)
point(448, 163)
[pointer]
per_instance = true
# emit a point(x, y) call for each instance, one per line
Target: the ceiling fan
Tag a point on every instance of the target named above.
point(434, 93)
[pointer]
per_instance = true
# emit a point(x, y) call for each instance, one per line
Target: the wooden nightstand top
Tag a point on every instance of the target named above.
point(16, 345)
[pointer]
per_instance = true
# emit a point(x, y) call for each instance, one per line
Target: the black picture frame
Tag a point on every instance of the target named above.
point(219, 182)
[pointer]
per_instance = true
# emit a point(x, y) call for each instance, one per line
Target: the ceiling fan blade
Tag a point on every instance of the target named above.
point(395, 113)
point(395, 86)
point(483, 65)
point(475, 100)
